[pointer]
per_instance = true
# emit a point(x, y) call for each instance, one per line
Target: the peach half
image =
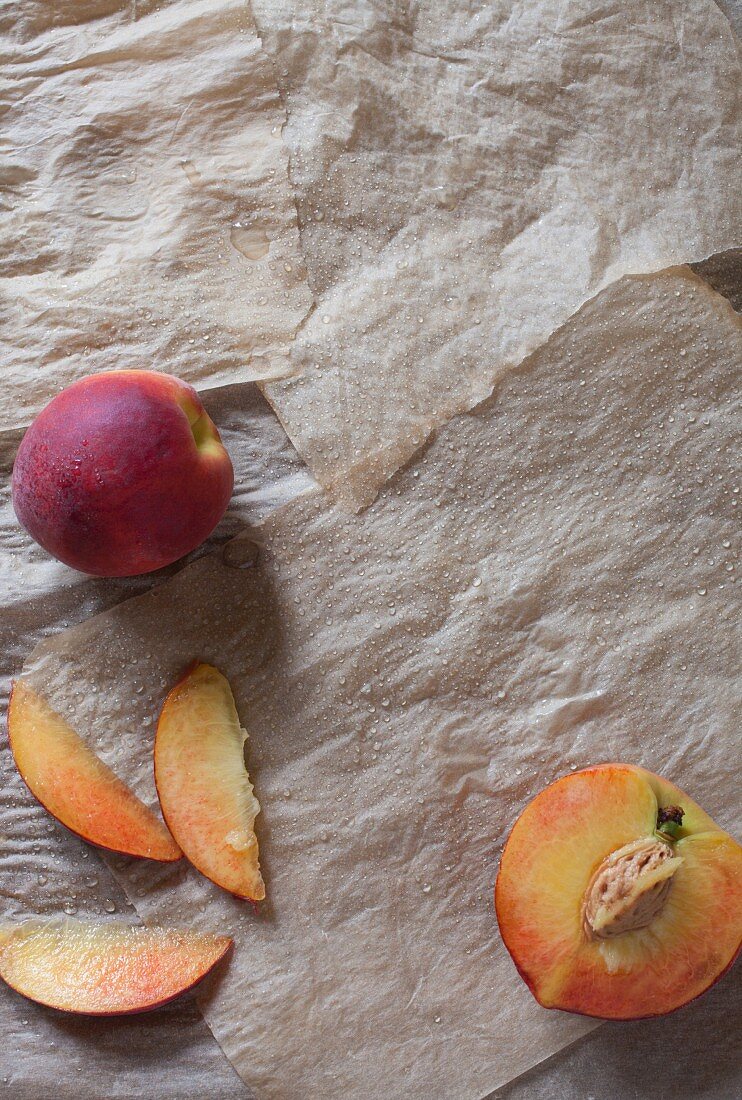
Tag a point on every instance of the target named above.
point(206, 796)
point(104, 969)
point(76, 787)
point(617, 896)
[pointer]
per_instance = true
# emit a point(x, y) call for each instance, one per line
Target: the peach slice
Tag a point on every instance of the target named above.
point(104, 969)
point(206, 796)
point(617, 896)
point(76, 787)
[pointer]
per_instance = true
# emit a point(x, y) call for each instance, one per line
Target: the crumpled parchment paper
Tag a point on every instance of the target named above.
point(549, 584)
point(43, 868)
point(468, 175)
point(147, 216)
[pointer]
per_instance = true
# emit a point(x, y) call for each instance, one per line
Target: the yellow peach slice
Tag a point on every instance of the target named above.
point(206, 796)
point(76, 787)
point(617, 896)
point(104, 969)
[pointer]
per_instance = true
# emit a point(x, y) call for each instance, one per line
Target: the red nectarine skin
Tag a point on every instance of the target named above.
point(122, 473)
point(679, 930)
point(105, 969)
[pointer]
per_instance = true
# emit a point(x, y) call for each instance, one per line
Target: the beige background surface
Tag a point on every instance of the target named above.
point(466, 176)
point(171, 1053)
point(147, 213)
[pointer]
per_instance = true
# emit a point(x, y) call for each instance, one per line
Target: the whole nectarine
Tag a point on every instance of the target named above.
point(617, 896)
point(122, 473)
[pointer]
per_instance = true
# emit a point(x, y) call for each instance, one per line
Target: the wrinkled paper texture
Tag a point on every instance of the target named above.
point(147, 216)
point(46, 870)
point(548, 585)
point(468, 175)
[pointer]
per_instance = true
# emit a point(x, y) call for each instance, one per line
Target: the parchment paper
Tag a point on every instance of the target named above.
point(548, 585)
point(171, 1053)
point(147, 216)
point(468, 175)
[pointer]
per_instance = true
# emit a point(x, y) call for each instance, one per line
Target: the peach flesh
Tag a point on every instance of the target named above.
point(106, 969)
point(76, 787)
point(122, 473)
point(206, 796)
point(597, 916)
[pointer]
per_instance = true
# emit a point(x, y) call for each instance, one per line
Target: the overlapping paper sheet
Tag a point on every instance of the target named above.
point(467, 175)
point(44, 869)
point(549, 584)
point(147, 216)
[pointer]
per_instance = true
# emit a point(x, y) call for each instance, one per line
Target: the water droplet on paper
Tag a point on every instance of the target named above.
point(250, 241)
point(241, 553)
point(191, 172)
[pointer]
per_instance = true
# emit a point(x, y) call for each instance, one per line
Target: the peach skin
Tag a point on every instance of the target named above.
point(206, 796)
point(104, 969)
point(76, 787)
point(122, 473)
point(617, 896)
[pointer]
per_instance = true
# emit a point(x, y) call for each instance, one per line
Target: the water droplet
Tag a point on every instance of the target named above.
point(427, 888)
point(436, 1019)
point(191, 172)
point(477, 581)
point(701, 591)
point(250, 241)
point(70, 909)
point(241, 553)
point(109, 906)
point(42, 880)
